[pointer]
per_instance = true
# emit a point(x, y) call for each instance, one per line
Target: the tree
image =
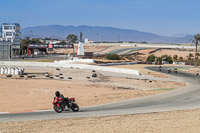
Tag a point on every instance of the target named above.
point(27, 40)
point(159, 60)
point(151, 58)
point(175, 57)
point(72, 38)
point(190, 56)
point(196, 41)
point(167, 58)
point(180, 58)
point(35, 41)
point(24, 43)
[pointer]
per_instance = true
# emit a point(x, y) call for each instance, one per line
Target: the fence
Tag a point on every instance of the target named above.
point(5, 48)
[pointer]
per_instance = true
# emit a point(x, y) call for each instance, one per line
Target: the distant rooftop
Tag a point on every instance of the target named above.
point(11, 24)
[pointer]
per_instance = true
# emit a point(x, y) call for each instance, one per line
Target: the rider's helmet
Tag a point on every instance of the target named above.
point(57, 93)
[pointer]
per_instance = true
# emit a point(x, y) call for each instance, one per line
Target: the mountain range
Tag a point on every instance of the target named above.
point(99, 33)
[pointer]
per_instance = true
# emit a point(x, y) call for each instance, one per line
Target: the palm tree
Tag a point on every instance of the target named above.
point(196, 41)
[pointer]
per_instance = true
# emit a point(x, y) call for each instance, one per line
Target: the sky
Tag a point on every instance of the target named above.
point(162, 17)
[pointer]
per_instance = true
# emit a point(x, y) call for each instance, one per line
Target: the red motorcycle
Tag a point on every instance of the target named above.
point(61, 105)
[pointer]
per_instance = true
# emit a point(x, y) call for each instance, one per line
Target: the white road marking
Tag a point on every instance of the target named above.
point(4, 112)
point(42, 110)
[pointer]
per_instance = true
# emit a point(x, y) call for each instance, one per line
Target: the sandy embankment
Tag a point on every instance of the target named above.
point(187, 121)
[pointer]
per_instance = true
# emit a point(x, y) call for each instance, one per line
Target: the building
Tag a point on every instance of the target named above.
point(10, 32)
point(87, 41)
point(9, 40)
point(52, 41)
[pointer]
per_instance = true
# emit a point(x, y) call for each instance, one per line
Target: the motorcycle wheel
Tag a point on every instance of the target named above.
point(58, 110)
point(75, 107)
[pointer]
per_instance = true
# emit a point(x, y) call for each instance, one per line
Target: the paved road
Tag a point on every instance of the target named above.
point(179, 99)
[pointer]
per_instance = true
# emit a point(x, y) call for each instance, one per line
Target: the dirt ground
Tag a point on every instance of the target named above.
point(86, 49)
point(37, 93)
point(143, 54)
point(187, 121)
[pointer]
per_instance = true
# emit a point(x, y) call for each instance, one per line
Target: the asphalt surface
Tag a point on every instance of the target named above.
point(178, 99)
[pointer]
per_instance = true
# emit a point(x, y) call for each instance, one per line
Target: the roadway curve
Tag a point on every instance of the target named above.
point(179, 99)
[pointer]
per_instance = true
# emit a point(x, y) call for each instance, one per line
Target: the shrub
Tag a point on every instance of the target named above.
point(151, 58)
point(175, 57)
point(113, 57)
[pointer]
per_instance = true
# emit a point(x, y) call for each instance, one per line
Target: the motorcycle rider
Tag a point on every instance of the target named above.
point(60, 99)
point(169, 71)
point(160, 67)
point(175, 70)
point(197, 72)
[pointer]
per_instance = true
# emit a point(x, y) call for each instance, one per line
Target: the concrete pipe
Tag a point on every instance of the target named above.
point(16, 71)
point(2, 70)
point(12, 71)
point(9, 71)
point(6, 71)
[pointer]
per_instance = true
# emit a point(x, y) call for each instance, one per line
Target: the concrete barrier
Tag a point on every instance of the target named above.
point(74, 60)
point(178, 63)
point(70, 65)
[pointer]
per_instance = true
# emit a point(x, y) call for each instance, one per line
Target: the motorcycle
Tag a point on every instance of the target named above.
point(176, 70)
point(197, 74)
point(69, 102)
point(169, 71)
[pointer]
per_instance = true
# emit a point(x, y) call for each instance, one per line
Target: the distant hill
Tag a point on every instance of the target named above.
point(98, 33)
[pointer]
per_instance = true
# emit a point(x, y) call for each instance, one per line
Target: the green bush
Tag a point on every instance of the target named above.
point(167, 58)
point(113, 57)
point(151, 58)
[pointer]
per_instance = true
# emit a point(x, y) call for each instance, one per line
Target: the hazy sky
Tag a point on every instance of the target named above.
point(163, 17)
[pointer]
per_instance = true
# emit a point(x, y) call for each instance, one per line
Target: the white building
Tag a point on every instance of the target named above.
point(52, 41)
point(88, 41)
point(11, 32)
